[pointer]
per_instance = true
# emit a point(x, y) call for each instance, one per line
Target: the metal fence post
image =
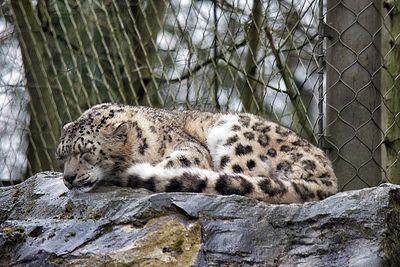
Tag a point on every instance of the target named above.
point(353, 96)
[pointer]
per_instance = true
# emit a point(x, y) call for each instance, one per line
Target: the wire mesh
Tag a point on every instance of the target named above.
point(360, 118)
point(269, 57)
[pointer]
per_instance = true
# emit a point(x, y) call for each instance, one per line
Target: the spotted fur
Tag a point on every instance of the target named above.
point(192, 151)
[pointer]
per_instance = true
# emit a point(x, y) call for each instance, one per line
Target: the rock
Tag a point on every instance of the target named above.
point(44, 224)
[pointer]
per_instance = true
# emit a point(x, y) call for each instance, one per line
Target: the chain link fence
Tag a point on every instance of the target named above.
point(315, 66)
point(362, 132)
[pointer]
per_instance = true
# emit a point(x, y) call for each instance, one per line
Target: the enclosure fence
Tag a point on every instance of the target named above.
point(329, 70)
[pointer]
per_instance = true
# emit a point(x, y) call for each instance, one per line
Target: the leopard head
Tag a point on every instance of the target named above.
point(96, 147)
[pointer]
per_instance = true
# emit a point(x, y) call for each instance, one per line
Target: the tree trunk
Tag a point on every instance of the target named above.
point(44, 124)
point(148, 19)
point(76, 55)
point(248, 92)
point(392, 96)
point(353, 96)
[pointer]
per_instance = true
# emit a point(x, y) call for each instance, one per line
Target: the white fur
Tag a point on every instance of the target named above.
point(146, 170)
point(217, 137)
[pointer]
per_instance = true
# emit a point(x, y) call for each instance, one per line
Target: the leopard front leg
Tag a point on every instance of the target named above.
point(187, 154)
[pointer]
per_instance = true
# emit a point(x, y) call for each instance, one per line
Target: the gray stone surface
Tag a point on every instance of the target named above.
point(44, 224)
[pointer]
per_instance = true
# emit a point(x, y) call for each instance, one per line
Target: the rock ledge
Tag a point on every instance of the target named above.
point(44, 224)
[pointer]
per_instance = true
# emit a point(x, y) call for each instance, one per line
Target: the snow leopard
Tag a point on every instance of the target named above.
point(192, 151)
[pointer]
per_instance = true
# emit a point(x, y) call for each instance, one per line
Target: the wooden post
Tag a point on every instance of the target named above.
point(353, 122)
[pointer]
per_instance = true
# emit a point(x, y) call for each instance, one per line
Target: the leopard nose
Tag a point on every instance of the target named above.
point(69, 178)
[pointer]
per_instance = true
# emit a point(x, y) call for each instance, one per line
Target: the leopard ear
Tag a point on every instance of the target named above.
point(65, 127)
point(121, 131)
